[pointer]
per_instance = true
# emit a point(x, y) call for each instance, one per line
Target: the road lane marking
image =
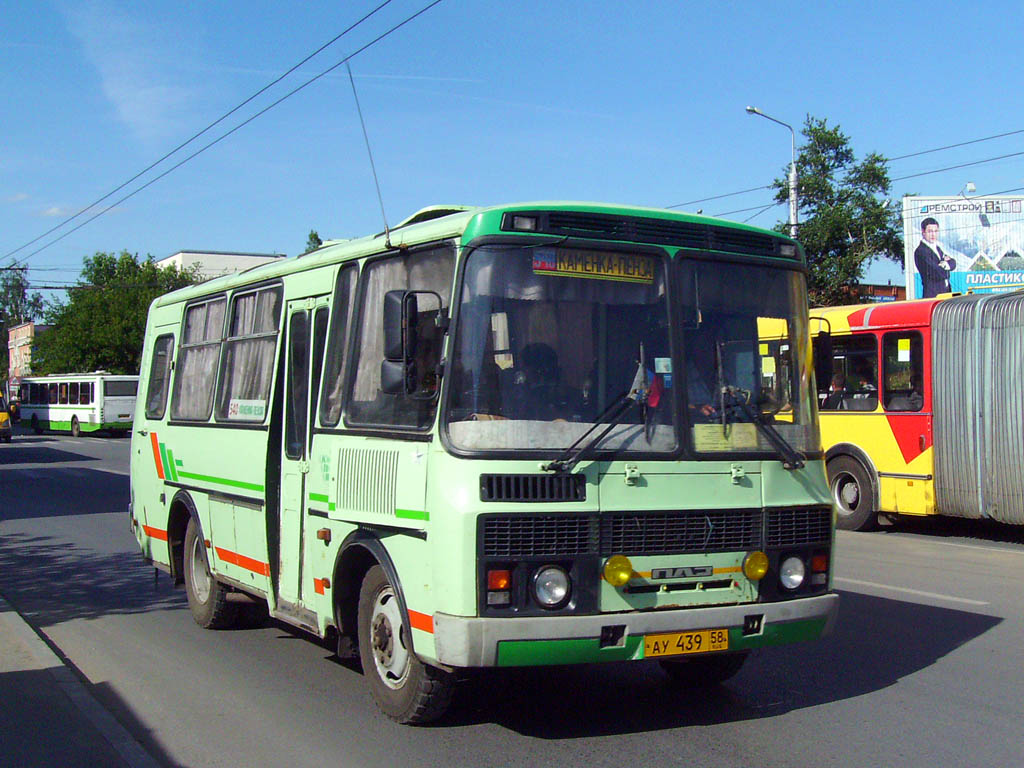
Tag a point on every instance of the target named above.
point(909, 591)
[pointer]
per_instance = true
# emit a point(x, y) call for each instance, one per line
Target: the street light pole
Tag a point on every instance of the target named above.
point(792, 169)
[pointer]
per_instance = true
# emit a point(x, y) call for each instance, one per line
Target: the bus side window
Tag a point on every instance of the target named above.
point(159, 377)
point(247, 365)
point(903, 372)
point(196, 370)
point(85, 393)
point(341, 313)
point(428, 270)
point(73, 393)
point(854, 384)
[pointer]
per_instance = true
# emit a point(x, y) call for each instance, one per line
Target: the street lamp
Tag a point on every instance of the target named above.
point(792, 169)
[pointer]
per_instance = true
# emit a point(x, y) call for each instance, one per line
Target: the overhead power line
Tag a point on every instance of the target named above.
point(195, 136)
point(887, 160)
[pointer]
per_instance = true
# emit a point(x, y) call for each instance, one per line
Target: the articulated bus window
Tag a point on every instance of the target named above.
point(854, 385)
point(903, 372)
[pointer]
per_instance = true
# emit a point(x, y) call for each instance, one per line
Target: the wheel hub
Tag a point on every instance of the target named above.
point(383, 639)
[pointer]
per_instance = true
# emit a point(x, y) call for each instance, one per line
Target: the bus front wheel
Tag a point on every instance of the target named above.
point(207, 597)
point(35, 425)
point(851, 492)
point(405, 689)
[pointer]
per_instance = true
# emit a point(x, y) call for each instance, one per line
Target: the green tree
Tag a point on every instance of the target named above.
point(312, 242)
point(103, 322)
point(17, 306)
point(846, 218)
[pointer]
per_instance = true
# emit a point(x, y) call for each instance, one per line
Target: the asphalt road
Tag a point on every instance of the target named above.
point(924, 667)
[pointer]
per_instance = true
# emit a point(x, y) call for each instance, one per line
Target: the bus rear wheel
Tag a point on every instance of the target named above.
point(76, 430)
point(405, 689)
point(35, 425)
point(851, 492)
point(701, 671)
point(207, 597)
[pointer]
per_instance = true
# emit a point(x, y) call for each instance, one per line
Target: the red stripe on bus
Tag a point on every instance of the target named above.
point(156, 455)
point(243, 562)
point(155, 533)
point(421, 621)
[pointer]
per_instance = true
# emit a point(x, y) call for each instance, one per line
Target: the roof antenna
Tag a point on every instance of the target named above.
point(380, 198)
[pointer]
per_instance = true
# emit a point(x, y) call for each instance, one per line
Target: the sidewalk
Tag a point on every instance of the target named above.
point(47, 715)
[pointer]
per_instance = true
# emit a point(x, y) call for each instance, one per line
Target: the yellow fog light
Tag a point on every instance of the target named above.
point(755, 565)
point(618, 570)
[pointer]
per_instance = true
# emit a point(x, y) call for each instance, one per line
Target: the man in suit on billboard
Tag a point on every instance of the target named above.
point(932, 264)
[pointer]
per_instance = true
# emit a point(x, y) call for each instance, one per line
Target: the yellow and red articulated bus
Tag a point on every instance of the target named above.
point(923, 413)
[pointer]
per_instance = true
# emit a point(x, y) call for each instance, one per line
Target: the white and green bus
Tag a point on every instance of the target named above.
point(532, 434)
point(78, 402)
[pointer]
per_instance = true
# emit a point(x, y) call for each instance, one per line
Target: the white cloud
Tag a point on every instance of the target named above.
point(17, 197)
point(127, 54)
point(57, 211)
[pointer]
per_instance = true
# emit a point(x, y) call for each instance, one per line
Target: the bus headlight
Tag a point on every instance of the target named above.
point(551, 586)
point(792, 572)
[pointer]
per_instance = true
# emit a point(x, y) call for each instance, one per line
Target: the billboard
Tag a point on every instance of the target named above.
point(963, 244)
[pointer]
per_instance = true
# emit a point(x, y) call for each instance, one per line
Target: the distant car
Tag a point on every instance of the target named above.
point(5, 422)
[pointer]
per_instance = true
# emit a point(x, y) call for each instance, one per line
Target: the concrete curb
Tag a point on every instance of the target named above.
point(106, 724)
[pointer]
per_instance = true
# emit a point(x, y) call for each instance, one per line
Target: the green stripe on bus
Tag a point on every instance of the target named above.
point(171, 466)
point(323, 499)
point(412, 514)
point(584, 650)
point(777, 634)
point(222, 481)
point(163, 460)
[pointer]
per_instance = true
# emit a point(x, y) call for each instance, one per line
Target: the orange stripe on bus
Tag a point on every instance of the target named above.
point(421, 621)
point(243, 562)
point(156, 455)
point(155, 533)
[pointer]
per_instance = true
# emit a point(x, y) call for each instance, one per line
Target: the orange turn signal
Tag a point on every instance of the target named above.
point(498, 580)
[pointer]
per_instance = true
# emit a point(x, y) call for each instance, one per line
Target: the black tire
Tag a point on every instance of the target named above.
point(207, 597)
point(405, 689)
point(35, 425)
point(76, 429)
point(852, 494)
point(701, 671)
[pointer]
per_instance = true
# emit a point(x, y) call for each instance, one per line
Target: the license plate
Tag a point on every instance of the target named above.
point(679, 643)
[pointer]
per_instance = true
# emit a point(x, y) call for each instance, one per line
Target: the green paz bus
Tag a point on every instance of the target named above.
point(532, 434)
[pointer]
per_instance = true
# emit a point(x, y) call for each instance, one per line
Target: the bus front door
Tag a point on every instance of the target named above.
point(294, 455)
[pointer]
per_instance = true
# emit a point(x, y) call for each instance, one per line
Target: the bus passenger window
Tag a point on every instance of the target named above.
point(903, 376)
point(159, 377)
point(854, 384)
point(341, 312)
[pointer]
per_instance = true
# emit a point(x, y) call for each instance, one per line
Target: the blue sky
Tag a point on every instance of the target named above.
point(473, 103)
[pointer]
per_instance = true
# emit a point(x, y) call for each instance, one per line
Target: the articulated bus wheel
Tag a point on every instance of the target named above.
point(405, 689)
point(851, 492)
point(207, 597)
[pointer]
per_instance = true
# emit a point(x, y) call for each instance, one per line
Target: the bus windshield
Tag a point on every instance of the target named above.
point(549, 339)
point(748, 368)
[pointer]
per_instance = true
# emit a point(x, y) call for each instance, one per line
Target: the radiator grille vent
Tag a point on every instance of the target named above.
point(787, 527)
point(533, 488)
point(655, 533)
point(528, 536)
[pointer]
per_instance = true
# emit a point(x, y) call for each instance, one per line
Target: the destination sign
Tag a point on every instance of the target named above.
point(600, 265)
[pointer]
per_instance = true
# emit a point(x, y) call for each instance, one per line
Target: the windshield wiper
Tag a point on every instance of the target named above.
point(791, 458)
point(614, 413)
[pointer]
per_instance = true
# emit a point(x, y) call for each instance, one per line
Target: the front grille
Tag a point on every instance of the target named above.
point(533, 488)
point(655, 533)
point(515, 536)
point(788, 527)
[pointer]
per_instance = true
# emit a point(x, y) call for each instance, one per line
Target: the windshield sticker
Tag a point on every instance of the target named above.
point(733, 437)
point(593, 264)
